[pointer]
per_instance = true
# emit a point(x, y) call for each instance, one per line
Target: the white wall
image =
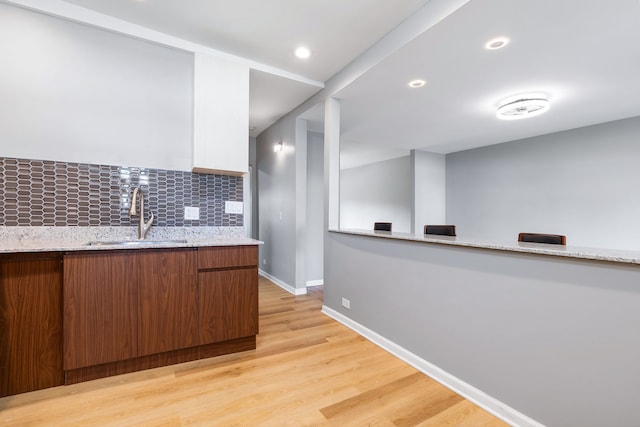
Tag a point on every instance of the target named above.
point(429, 189)
point(582, 183)
point(376, 192)
point(315, 207)
point(70, 92)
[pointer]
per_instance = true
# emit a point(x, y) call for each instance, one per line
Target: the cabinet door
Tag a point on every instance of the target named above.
point(220, 115)
point(100, 308)
point(30, 324)
point(228, 304)
point(168, 315)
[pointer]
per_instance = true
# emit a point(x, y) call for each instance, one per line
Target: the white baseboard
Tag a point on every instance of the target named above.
point(283, 285)
point(488, 403)
point(311, 283)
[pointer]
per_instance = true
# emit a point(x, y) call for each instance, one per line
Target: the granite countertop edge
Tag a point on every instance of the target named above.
point(71, 239)
point(595, 254)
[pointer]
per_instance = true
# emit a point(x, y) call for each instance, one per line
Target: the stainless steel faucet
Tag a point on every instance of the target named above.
point(143, 228)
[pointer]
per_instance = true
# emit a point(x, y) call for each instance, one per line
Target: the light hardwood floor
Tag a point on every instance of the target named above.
point(308, 370)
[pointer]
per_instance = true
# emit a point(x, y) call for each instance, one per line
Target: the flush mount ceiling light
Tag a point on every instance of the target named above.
point(302, 52)
point(523, 108)
point(417, 83)
point(497, 43)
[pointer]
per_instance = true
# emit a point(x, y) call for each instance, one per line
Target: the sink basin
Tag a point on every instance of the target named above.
point(135, 242)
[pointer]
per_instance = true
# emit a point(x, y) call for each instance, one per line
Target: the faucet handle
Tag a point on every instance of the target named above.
point(147, 226)
point(132, 209)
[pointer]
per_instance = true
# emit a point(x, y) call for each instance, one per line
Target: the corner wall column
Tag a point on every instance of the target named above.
point(428, 176)
point(332, 163)
point(301, 203)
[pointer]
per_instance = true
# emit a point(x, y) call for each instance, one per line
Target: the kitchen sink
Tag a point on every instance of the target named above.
point(135, 242)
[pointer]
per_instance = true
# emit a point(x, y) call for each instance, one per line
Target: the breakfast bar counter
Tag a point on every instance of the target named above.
point(595, 254)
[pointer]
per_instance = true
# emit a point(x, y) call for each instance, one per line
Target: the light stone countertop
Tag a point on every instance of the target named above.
point(66, 239)
point(596, 254)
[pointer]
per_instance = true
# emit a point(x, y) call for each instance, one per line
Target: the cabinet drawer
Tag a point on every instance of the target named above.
point(227, 257)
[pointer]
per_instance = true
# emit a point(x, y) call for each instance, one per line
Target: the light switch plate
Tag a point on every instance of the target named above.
point(233, 207)
point(191, 212)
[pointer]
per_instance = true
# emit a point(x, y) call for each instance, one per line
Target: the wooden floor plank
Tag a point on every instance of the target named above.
point(307, 370)
point(462, 414)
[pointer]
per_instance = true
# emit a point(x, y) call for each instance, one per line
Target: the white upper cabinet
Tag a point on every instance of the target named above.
point(220, 116)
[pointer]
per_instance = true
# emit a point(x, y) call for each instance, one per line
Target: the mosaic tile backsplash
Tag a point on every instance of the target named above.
point(48, 193)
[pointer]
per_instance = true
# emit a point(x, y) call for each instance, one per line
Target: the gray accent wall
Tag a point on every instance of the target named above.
point(290, 203)
point(253, 162)
point(554, 338)
point(583, 183)
point(74, 93)
point(277, 200)
point(380, 191)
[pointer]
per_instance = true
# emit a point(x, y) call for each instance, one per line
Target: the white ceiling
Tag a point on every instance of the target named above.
point(583, 55)
point(267, 32)
point(273, 96)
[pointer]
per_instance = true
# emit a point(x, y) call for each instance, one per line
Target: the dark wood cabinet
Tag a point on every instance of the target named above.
point(168, 309)
point(103, 313)
point(100, 308)
point(30, 322)
point(228, 291)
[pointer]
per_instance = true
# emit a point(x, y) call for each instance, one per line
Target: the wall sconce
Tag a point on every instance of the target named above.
point(278, 147)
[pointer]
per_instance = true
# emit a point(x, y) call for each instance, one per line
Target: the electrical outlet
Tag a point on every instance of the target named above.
point(264, 262)
point(191, 212)
point(346, 303)
point(233, 207)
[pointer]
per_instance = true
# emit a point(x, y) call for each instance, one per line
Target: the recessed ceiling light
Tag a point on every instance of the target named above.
point(417, 83)
point(302, 52)
point(497, 43)
point(523, 108)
